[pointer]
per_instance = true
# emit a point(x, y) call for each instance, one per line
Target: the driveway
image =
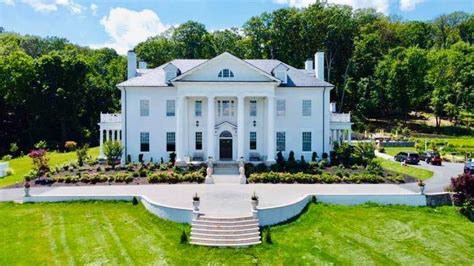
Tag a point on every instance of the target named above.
point(441, 174)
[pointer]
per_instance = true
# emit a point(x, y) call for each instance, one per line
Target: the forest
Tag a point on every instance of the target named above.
point(382, 67)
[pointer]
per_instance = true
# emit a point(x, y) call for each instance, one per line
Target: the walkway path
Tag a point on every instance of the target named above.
point(441, 177)
point(220, 199)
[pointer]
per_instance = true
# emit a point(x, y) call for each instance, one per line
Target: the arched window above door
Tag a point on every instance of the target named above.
point(225, 134)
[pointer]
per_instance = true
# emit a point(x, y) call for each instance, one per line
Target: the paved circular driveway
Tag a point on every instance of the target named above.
point(441, 174)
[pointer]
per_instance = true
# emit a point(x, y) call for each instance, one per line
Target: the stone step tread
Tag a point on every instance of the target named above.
point(234, 236)
point(226, 245)
point(225, 241)
point(225, 232)
point(225, 227)
point(238, 222)
point(211, 218)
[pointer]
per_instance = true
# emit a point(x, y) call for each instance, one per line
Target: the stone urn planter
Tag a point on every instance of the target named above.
point(196, 201)
point(27, 189)
point(254, 201)
point(421, 186)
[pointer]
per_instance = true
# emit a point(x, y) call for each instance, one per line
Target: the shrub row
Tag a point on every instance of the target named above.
point(173, 178)
point(95, 178)
point(327, 178)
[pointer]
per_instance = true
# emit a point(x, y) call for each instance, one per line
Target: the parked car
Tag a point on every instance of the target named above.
point(432, 157)
point(407, 157)
point(469, 166)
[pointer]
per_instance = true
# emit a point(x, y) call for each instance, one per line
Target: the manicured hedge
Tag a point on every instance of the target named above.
point(327, 178)
point(172, 177)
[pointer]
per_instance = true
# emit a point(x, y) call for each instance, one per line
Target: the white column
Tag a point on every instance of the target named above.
point(211, 123)
point(271, 129)
point(180, 117)
point(101, 147)
point(338, 136)
point(240, 127)
point(349, 137)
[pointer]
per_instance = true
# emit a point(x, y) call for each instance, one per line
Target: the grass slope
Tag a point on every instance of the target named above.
point(23, 165)
point(119, 233)
point(418, 173)
point(395, 150)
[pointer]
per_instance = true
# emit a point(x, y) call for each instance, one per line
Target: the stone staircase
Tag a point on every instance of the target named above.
point(226, 172)
point(225, 232)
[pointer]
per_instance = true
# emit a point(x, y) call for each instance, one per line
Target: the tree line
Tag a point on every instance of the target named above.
point(53, 90)
point(382, 67)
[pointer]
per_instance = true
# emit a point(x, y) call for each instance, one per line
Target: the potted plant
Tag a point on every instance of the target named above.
point(421, 185)
point(196, 200)
point(254, 199)
point(27, 186)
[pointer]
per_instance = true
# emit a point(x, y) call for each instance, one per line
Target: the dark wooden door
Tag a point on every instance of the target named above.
point(225, 149)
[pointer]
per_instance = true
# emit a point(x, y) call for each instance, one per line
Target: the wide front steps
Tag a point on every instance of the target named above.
point(230, 168)
point(225, 232)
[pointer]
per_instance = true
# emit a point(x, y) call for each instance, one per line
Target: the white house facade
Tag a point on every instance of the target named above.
point(225, 108)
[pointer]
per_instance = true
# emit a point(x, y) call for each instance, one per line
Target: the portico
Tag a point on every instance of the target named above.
point(226, 121)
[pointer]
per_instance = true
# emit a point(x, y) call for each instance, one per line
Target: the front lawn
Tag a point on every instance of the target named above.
point(396, 167)
point(120, 233)
point(23, 165)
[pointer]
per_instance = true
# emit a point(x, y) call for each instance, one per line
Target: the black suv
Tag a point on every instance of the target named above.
point(407, 157)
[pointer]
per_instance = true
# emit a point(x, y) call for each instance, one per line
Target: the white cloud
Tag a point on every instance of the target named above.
point(409, 5)
point(50, 5)
point(94, 8)
point(8, 2)
point(127, 28)
point(379, 5)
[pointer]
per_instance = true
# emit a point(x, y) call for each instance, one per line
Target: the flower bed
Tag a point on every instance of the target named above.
point(132, 173)
point(326, 178)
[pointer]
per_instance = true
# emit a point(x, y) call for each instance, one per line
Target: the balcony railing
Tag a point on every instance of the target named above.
point(341, 117)
point(110, 118)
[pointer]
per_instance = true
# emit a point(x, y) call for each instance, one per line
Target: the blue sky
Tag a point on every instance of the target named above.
point(121, 24)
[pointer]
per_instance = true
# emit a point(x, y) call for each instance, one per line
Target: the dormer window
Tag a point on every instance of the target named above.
point(226, 73)
point(281, 72)
point(171, 72)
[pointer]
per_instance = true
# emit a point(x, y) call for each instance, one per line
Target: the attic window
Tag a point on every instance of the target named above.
point(225, 73)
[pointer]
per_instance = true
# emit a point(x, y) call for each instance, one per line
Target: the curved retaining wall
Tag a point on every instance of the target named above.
point(179, 215)
point(267, 216)
point(396, 199)
point(282, 213)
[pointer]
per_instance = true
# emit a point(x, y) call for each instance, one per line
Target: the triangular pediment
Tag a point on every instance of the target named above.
point(225, 68)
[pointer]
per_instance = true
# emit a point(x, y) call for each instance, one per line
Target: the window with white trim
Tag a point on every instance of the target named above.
point(144, 141)
point(280, 141)
point(306, 141)
point(144, 108)
point(198, 108)
point(306, 106)
point(225, 73)
point(253, 108)
point(170, 141)
point(198, 138)
point(253, 140)
point(225, 108)
point(170, 107)
point(281, 107)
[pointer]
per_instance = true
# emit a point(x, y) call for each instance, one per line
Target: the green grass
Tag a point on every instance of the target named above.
point(119, 233)
point(23, 165)
point(396, 167)
point(394, 150)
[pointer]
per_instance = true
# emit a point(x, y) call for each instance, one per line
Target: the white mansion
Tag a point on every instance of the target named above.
point(226, 108)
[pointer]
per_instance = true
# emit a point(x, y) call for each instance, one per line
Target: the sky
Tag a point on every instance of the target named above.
point(122, 24)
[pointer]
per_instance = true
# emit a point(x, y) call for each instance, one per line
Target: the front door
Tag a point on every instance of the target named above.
point(225, 146)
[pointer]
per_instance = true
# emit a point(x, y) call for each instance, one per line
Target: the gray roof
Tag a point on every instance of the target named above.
point(156, 76)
